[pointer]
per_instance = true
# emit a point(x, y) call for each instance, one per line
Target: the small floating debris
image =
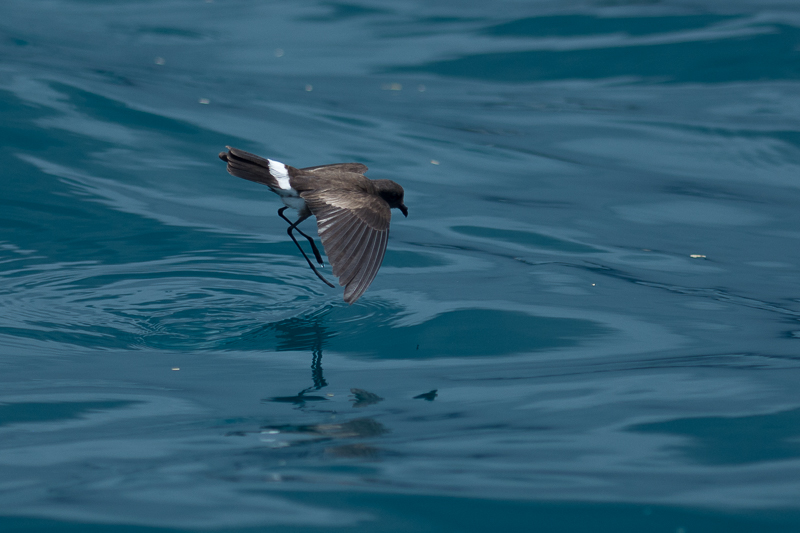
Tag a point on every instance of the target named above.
point(392, 87)
point(434, 162)
point(697, 256)
point(175, 368)
point(160, 61)
point(204, 101)
point(309, 88)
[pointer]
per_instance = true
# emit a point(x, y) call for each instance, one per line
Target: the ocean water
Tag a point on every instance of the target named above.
point(589, 322)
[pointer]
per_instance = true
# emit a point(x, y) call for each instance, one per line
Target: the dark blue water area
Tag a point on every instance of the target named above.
point(590, 320)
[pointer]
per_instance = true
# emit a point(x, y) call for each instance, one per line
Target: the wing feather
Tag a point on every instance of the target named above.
point(354, 229)
point(333, 221)
point(344, 235)
point(370, 263)
point(372, 270)
point(354, 261)
point(350, 259)
point(358, 168)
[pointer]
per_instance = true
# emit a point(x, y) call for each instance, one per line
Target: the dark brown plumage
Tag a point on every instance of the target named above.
point(353, 212)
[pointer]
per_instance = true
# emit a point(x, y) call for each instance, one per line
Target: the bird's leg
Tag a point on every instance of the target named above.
point(314, 249)
point(289, 231)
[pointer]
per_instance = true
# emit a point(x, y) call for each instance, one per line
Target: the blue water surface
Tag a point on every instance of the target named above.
point(589, 322)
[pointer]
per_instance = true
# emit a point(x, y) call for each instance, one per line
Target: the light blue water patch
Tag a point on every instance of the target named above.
point(734, 440)
point(575, 25)
point(690, 212)
point(471, 333)
point(527, 238)
point(459, 333)
point(408, 259)
point(33, 412)
point(412, 514)
point(762, 52)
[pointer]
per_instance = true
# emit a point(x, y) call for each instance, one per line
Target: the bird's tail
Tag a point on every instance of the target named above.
point(249, 166)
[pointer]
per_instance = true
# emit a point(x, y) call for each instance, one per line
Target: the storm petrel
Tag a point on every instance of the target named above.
point(353, 212)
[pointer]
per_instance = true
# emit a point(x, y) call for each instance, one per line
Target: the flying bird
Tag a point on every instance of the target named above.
point(353, 212)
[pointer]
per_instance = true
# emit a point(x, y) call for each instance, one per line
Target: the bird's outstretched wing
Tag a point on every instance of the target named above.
point(354, 229)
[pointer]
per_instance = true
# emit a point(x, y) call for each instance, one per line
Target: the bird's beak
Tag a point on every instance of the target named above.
point(404, 210)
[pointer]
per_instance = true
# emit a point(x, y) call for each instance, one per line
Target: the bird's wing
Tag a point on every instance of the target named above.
point(356, 168)
point(354, 229)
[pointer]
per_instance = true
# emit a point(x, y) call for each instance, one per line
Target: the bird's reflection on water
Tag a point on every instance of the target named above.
point(300, 334)
point(309, 333)
point(329, 434)
point(303, 396)
point(363, 398)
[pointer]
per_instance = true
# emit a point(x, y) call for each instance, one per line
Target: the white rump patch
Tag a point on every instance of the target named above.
point(295, 202)
point(280, 173)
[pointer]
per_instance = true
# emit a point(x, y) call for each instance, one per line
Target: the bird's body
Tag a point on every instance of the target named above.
point(353, 212)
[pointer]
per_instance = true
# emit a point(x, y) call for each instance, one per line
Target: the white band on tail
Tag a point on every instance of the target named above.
point(280, 173)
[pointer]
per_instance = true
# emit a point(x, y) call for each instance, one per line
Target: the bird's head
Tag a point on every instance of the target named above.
point(392, 193)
